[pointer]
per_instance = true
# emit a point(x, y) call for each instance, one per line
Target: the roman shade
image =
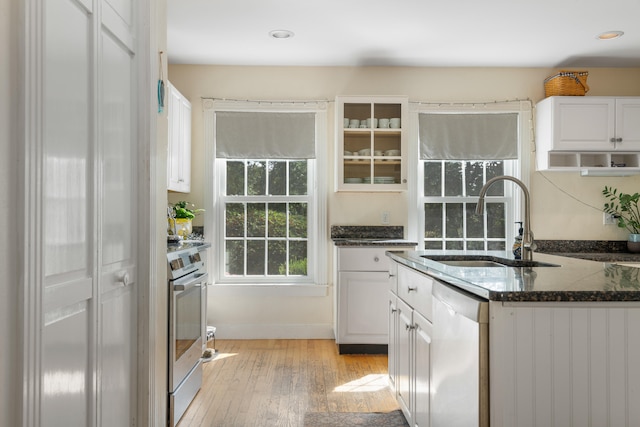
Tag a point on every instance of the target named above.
point(265, 135)
point(492, 136)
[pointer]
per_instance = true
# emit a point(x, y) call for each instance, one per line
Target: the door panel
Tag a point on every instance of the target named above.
point(65, 376)
point(118, 208)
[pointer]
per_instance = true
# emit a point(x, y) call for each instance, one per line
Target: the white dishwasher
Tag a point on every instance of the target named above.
point(459, 359)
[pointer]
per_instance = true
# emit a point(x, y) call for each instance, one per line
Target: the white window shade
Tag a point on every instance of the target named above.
point(265, 135)
point(468, 136)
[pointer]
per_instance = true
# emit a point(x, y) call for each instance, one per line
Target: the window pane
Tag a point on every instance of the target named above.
point(475, 223)
point(454, 245)
point(298, 178)
point(235, 178)
point(277, 258)
point(496, 246)
point(298, 220)
point(234, 256)
point(474, 177)
point(453, 179)
point(277, 178)
point(235, 220)
point(277, 220)
point(495, 220)
point(495, 169)
point(256, 226)
point(433, 245)
point(454, 220)
point(474, 245)
point(256, 178)
point(433, 220)
point(255, 257)
point(433, 179)
point(298, 258)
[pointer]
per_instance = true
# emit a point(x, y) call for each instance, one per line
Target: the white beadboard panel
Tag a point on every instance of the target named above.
point(66, 142)
point(565, 365)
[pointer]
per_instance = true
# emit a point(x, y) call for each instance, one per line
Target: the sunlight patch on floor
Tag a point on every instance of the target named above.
point(368, 383)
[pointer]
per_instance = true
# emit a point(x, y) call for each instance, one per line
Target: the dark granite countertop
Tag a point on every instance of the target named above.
point(573, 280)
point(370, 235)
point(187, 244)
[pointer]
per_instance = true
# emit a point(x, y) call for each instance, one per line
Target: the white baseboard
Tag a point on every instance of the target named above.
point(273, 331)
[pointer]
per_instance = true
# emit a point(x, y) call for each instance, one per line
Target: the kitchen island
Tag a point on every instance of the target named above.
point(558, 345)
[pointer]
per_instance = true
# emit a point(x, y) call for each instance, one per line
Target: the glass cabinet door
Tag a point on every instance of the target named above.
point(371, 144)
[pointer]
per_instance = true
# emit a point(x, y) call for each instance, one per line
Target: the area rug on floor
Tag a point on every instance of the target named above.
point(347, 419)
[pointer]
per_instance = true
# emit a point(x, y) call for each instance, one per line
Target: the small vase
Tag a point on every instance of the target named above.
point(633, 243)
point(183, 226)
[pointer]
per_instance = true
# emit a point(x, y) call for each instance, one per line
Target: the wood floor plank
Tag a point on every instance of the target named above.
point(269, 383)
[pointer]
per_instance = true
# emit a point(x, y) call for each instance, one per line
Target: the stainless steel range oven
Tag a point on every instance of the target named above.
point(187, 283)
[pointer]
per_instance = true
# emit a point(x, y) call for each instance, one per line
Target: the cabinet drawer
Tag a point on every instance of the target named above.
point(363, 259)
point(415, 289)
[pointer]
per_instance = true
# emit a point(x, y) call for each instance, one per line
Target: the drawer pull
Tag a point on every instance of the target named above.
point(410, 289)
point(410, 327)
point(391, 275)
point(393, 310)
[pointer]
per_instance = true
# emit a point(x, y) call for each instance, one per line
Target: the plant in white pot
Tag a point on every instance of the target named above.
point(624, 208)
point(183, 214)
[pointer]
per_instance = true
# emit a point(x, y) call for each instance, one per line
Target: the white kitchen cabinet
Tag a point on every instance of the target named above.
point(371, 143)
point(589, 133)
point(179, 145)
point(411, 347)
point(362, 299)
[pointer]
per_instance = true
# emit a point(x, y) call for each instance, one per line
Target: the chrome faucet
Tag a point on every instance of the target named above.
point(528, 245)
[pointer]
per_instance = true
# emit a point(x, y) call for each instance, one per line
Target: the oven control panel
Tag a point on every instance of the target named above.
point(184, 262)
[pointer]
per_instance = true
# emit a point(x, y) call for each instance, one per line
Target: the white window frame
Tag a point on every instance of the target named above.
point(315, 283)
point(519, 168)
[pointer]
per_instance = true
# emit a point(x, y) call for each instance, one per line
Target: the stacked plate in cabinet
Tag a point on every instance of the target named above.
point(379, 180)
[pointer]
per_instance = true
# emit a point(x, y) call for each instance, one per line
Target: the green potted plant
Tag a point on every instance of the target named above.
point(624, 208)
point(183, 214)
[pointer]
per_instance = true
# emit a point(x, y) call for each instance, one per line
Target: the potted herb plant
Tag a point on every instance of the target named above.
point(624, 208)
point(183, 214)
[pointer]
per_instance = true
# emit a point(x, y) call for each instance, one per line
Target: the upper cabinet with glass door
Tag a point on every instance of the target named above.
point(371, 143)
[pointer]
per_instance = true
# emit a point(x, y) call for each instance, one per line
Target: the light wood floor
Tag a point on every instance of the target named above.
point(269, 383)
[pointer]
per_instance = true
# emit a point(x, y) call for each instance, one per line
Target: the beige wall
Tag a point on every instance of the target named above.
point(564, 205)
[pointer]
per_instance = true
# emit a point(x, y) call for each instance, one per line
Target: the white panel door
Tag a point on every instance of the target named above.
point(65, 377)
point(628, 123)
point(81, 331)
point(118, 213)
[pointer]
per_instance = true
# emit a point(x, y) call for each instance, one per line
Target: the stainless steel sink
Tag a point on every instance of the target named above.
point(483, 261)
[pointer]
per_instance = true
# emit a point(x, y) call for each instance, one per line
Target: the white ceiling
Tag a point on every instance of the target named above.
point(429, 33)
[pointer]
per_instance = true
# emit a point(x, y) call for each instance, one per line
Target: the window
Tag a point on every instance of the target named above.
point(266, 211)
point(268, 205)
point(450, 193)
point(460, 149)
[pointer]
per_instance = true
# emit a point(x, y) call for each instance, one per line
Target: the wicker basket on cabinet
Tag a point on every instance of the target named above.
point(567, 83)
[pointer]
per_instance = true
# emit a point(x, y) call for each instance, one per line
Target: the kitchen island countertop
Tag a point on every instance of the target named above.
point(573, 279)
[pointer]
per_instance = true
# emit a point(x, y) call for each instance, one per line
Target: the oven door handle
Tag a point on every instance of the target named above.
point(198, 280)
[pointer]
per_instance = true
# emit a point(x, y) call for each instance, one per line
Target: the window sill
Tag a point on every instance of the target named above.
point(283, 290)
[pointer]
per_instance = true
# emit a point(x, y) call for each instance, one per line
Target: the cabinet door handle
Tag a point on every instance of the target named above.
point(393, 310)
point(376, 259)
point(410, 289)
point(410, 327)
point(612, 140)
point(391, 275)
point(618, 139)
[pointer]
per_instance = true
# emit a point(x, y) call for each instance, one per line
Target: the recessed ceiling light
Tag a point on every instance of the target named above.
point(610, 35)
point(281, 34)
